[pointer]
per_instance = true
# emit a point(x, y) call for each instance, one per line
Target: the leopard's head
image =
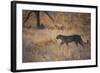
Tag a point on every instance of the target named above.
point(59, 36)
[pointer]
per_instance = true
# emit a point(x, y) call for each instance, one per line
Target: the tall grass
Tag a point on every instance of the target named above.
point(41, 45)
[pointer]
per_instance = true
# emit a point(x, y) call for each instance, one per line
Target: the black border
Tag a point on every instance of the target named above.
point(13, 35)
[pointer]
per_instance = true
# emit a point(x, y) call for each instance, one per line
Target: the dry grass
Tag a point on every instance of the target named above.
point(41, 45)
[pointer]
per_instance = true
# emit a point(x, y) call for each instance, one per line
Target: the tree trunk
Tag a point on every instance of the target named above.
point(38, 18)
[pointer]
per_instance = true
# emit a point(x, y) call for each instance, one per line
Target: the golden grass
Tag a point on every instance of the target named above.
point(42, 45)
